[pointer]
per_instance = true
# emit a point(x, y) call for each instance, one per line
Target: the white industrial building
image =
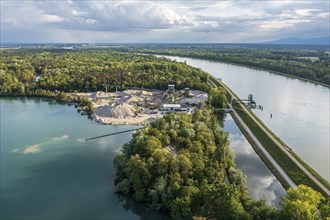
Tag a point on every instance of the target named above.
point(169, 107)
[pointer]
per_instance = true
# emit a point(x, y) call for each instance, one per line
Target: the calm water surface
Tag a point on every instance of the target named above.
point(49, 172)
point(262, 184)
point(300, 109)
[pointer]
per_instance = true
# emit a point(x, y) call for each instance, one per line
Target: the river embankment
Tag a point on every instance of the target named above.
point(292, 102)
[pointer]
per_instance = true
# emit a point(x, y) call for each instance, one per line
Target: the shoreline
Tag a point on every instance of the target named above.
point(143, 119)
point(247, 66)
point(128, 107)
point(140, 120)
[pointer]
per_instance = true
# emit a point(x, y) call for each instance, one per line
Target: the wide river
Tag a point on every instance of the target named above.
point(300, 110)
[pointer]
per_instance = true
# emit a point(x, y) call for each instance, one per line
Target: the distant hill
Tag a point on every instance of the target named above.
point(301, 41)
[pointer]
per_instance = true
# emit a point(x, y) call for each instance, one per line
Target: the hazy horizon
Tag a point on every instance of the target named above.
point(161, 21)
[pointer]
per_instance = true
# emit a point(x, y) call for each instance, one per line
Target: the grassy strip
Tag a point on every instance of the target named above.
point(218, 84)
point(262, 133)
point(310, 169)
point(295, 173)
point(267, 162)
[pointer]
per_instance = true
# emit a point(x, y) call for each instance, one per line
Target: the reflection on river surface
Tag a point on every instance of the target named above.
point(262, 184)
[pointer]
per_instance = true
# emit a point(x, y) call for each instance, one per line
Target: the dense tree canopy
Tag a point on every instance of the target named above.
point(179, 164)
point(308, 63)
point(26, 71)
point(304, 203)
point(217, 97)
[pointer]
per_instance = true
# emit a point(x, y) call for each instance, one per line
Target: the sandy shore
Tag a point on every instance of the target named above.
point(32, 149)
point(37, 147)
point(139, 120)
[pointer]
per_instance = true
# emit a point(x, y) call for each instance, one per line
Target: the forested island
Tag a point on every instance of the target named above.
point(181, 164)
point(306, 62)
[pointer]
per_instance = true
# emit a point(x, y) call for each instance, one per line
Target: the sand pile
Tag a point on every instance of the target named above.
point(134, 100)
point(103, 111)
point(122, 110)
point(132, 91)
point(101, 102)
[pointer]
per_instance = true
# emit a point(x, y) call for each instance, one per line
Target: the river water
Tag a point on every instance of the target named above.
point(49, 172)
point(300, 110)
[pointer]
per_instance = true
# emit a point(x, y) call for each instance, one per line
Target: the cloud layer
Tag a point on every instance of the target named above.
point(161, 21)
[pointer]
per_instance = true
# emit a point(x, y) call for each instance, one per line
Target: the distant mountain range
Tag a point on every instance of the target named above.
point(301, 41)
point(319, 41)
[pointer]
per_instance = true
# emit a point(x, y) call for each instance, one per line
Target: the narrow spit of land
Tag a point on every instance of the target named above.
point(115, 133)
point(288, 182)
point(236, 117)
point(246, 129)
point(284, 149)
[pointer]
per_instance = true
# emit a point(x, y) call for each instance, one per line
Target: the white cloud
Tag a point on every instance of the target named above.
point(27, 14)
point(70, 2)
point(47, 18)
point(281, 24)
point(168, 21)
point(90, 21)
point(78, 13)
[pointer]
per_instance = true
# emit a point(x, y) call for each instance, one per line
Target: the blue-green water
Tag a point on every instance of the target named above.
point(48, 171)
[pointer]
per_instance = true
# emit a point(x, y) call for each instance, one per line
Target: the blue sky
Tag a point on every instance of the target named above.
point(96, 21)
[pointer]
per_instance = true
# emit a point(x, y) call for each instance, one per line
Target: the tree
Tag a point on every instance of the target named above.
point(261, 211)
point(301, 202)
point(217, 97)
point(184, 174)
point(138, 175)
point(325, 208)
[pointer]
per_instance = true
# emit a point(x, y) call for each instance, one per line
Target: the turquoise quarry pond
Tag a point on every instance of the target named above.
point(66, 178)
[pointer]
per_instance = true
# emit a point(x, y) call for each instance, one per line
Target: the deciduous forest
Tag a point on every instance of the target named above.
point(311, 63)
point(39, 72)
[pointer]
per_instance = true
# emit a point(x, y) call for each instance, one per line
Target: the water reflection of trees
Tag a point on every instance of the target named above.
point(142, 210)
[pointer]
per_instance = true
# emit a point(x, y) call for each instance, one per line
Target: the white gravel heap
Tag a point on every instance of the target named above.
point(121, 110)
